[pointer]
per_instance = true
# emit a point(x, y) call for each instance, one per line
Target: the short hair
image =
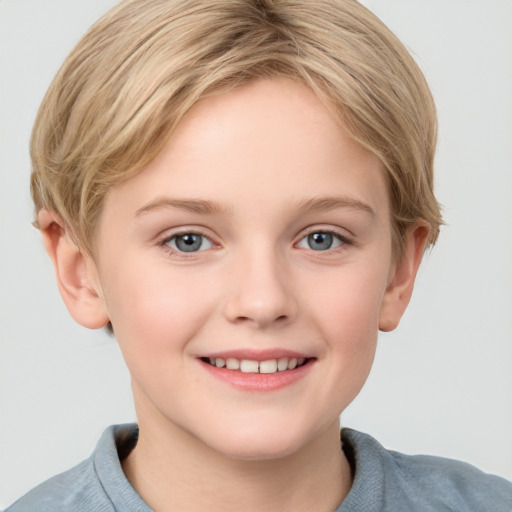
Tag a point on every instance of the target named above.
point(127, 84)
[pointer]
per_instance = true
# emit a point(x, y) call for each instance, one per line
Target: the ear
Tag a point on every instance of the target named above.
point(402, 277)
point(77, 276)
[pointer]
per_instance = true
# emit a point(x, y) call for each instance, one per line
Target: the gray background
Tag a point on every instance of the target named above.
point(442, 383)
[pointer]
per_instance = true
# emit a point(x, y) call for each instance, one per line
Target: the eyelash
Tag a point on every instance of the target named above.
point(343, 239)
point(164, 243)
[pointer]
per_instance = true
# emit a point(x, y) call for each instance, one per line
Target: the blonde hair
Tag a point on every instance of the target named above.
point(124, 88)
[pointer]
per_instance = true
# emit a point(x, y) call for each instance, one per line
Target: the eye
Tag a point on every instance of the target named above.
point(322, 241)
point(188, 242)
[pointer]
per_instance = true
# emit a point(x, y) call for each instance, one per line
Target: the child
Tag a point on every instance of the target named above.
point(242, 192)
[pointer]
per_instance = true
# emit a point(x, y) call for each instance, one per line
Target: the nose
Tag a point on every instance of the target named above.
point(261, 291)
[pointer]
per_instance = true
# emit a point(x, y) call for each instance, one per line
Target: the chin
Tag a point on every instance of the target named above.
point(264, 452)
point(259, 444)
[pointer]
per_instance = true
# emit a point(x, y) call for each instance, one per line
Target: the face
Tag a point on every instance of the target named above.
point(244, 272)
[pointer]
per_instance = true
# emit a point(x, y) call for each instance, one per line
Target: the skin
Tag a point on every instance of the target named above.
point(254, 171)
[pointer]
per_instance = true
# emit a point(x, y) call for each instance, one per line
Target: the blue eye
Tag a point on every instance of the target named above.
point(189, 242)
point(321, 241)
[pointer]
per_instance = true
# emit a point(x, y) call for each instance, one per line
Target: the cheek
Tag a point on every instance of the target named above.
point(343, 306)
point(346, 307)
point(157, 310)
point(347, 300)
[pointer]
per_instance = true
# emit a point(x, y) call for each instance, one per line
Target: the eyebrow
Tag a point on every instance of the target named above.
point(199, 206)
point(203, 207)
point(322, 204)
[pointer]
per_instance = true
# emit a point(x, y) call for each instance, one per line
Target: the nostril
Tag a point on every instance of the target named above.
point(261, 302)
point(262, 320)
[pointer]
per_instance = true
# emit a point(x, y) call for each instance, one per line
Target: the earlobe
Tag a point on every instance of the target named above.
point(76, 273)
point(403, 276)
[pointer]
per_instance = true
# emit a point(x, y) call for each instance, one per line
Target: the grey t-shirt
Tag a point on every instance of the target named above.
point(383, 481)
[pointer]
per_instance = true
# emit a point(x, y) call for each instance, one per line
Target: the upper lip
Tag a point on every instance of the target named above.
point(256, 354)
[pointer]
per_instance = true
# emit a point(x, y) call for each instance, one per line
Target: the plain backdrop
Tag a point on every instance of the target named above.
point(441, 384)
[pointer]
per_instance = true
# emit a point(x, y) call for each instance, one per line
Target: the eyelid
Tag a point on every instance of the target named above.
point(173, 240)
point(171, 232)
point(164, 239)
point(342, 234)
point(337, 242)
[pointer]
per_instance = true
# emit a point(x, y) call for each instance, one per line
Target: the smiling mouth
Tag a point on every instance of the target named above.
point(252, 366)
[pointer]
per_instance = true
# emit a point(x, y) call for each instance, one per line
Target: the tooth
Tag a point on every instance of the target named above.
point(300, 361)
point(268, 366)
point(219, 362)
point(282, 364)
point(247, 366)
point(212, 361)
point(292, 363)
point(232, 363)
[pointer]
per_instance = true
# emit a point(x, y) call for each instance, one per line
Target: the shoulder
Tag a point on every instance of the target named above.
point(97, 484)
point(421, 482)
point(454, 484)
point(73, 490)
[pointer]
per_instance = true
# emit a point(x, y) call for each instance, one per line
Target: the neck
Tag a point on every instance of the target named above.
point(171, 470)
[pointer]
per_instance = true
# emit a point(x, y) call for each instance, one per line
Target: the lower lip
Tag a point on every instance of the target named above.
point(259, 382)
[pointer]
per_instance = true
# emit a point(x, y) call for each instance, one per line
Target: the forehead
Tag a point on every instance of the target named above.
point(271, 141)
